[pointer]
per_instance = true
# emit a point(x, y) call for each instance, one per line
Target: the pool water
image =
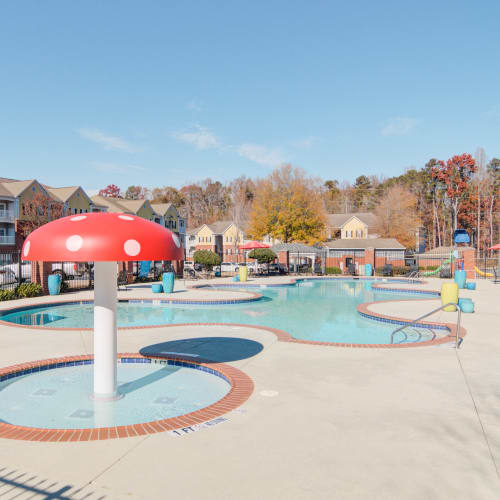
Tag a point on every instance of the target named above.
point(320, 310)
point(59, 398)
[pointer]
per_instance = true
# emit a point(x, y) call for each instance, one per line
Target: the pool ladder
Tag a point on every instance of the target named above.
point(415, 321)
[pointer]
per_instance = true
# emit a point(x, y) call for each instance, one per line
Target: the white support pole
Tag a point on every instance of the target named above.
point(105, 299)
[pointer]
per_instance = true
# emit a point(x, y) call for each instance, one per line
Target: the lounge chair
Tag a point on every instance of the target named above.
point(387, 271)
point(122, 280)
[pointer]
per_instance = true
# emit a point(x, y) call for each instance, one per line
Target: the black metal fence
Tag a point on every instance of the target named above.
point(486, 266)
point(14, 271)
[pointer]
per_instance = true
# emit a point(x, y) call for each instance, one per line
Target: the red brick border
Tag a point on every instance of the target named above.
point(241, 389)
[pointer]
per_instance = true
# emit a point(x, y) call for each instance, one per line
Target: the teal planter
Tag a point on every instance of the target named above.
point(467, 306)
point(54, 283)
point(460, 278)
point(157, 288)
point(168, 282)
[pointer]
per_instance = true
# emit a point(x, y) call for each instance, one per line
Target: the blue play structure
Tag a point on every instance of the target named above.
point(461, 236)
point(144, 268)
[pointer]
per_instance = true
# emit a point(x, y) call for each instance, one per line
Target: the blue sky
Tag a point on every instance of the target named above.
point(165, 92)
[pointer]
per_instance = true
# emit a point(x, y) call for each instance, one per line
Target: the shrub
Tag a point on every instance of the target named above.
point(333, 270)
point(431, 268)
point(28, 290)
point(262, 255)
point(207, 259)
point(7, 295)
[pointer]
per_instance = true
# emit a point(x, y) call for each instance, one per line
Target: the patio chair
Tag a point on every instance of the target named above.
point(387, 271)
point(496, 277)
point(122, 280)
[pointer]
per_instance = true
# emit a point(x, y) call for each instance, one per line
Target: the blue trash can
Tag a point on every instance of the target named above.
point(54, 282)
point(168, 282)
point(368, 270)
point(460, 278)
point(157, 288)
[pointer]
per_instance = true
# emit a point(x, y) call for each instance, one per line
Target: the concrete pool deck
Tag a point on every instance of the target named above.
point(323, 422)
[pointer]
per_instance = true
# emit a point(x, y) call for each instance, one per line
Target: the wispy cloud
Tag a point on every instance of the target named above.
point(305, 143)
point(105, 140)
point(204, 138)
point(117, 168)
point(193, 105)
point(399, 126)
point(201, 138)
point(261, 154)
point(493, 112)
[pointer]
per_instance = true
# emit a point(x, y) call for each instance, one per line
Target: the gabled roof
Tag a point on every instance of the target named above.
point(362, 243)
point(220, 227)
point(5, 192)
point(336, 221)
point(119, 204)
point(15, 188)
point(162, 208)
point(65, 193)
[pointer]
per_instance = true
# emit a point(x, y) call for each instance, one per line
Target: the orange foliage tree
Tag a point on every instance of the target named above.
point(397, 215)
point(287, 205)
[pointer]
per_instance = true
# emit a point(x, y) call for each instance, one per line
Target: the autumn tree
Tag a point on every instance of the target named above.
point(397, 216)
point(167, 194)
point(111, 191)
point(332, 196)
point(136, 193)
point(37, 211)
point(455, 175)
point(241, 195)
point(288, 206)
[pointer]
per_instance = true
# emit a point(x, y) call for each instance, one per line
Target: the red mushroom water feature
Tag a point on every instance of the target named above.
point(105, 239)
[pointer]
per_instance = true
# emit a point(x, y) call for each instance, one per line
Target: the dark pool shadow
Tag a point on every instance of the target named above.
point(206, 349)
point(138, 383)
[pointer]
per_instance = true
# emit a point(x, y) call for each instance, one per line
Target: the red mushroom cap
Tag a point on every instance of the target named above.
point(96, 237)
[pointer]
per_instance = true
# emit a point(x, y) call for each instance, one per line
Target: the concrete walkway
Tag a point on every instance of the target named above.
point(323, 422)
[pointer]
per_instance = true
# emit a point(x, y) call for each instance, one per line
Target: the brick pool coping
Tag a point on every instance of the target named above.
point(241, 389)
point(284, 336)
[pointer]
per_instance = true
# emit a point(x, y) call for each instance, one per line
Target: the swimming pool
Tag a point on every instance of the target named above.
point(58, 398)
point(315, 310)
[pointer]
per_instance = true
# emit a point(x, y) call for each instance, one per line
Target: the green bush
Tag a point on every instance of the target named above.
point(28, 290)
point(262, 255)
point(333, 270)
point(7, 295)
point(207, 259)
point(431, 268)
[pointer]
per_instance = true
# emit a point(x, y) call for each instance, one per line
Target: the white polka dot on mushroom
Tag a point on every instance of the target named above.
point(125, 217)
point(132, 247)
point(78, 217)
point(74, 243)
point(176, 240)
point(27, 248)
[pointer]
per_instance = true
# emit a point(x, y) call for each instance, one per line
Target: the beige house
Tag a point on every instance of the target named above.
point(221, 237)
point(141, 208)
point(171, 219)
point(351, 226)
point(15, 196)
point(74, 198)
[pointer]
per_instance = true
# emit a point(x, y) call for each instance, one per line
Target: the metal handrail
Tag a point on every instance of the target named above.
point(457, 343)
